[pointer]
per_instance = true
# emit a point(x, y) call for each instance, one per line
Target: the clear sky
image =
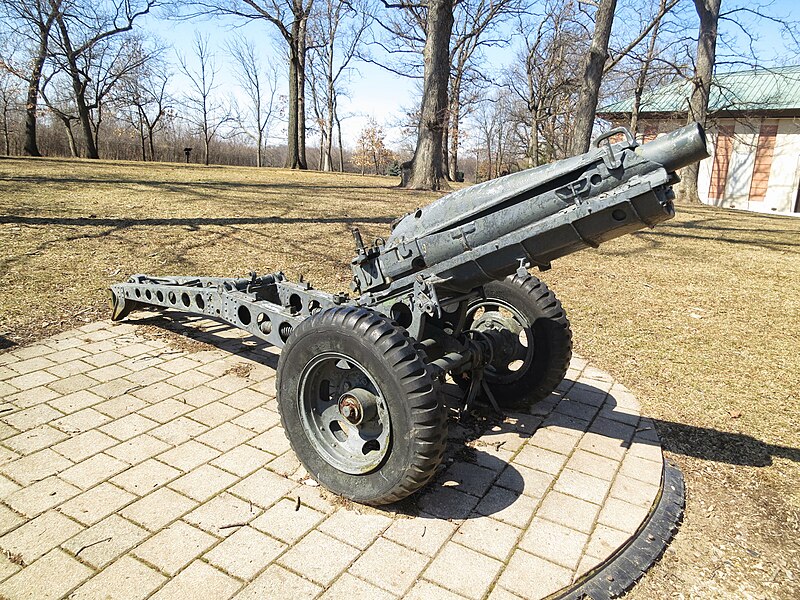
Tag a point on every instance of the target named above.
point(376, 93)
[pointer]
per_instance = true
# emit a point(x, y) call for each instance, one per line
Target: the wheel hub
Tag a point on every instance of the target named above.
point(512, 340)
point(357, 405)
point(344, 413)
point(505, 334)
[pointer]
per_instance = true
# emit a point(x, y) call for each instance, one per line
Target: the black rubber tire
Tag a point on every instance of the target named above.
point(418, 417)
point(551, 333)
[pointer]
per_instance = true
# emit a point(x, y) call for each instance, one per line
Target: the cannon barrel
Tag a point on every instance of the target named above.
point(677, 149)
point(485, 232)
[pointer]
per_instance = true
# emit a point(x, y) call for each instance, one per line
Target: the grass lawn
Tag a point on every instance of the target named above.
point(699, 317)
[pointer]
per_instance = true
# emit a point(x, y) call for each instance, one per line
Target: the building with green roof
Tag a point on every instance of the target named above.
point(754, 135)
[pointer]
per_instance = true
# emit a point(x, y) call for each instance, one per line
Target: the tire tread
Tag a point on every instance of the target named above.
point(428, 414)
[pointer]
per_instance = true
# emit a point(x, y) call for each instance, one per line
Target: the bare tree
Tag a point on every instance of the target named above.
point(708, 13)
point(62, 106)
point(476, 25)
point(426, 170)
point(336, 31)
point(204, 112)
point(102, 68)
point(498, 138)
point(260, 87)
point(9, 101)
point(371, 149)
point(644, 51)
point(290, 18)
point(85, 38)
point(650, 26)
point(30, 22)
point(646, 63)
point(145, 102)
point(546, 79)
point(110, 62)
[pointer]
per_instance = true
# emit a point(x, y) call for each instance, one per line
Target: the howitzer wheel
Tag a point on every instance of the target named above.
point(359, 407)
point(536, 346)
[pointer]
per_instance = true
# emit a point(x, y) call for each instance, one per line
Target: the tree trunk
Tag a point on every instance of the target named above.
point(341, 148)
point(708, 11)
point(301, 95)
point(5, 130)
point(331, 101)
point(31, 148)
point(489, 171)
point(79, 89)
point(260, 135)
point(446, 147)
point(327, 163)
point(73, 147)
point(455, 116)
point(84, 117)
point(293, 156)
point(143, 139)
point(426, 167)
point(592, 77)
point(642, 78)
point(533, 140)
point(150, 135)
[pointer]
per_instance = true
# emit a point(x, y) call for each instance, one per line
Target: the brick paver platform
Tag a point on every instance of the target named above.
point(133, 465)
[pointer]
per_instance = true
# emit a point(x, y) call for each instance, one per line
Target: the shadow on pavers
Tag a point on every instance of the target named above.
point(699, 442)
point(443, 498)
point(576, 407)
point(214, 334)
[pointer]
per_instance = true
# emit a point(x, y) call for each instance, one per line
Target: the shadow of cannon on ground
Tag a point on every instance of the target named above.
point(475, 478)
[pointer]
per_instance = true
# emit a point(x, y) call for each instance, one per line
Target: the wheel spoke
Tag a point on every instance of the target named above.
point(329, 415)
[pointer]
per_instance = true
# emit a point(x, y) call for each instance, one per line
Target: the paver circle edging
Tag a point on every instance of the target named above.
point(620, 572)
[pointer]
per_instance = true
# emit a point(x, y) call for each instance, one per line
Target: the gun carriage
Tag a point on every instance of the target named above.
point(448, 292)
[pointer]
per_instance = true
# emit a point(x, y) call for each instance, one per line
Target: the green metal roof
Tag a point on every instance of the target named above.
point(772, 90)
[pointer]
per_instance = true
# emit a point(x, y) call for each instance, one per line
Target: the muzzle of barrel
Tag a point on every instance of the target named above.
point(677, 149)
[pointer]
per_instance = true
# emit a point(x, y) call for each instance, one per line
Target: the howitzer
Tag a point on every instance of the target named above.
point(448, 292)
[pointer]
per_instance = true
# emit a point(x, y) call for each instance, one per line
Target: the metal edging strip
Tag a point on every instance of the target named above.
point(619, 573)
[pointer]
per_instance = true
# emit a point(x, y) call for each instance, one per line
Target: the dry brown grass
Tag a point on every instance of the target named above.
point(74, 227)
point(700, 317)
